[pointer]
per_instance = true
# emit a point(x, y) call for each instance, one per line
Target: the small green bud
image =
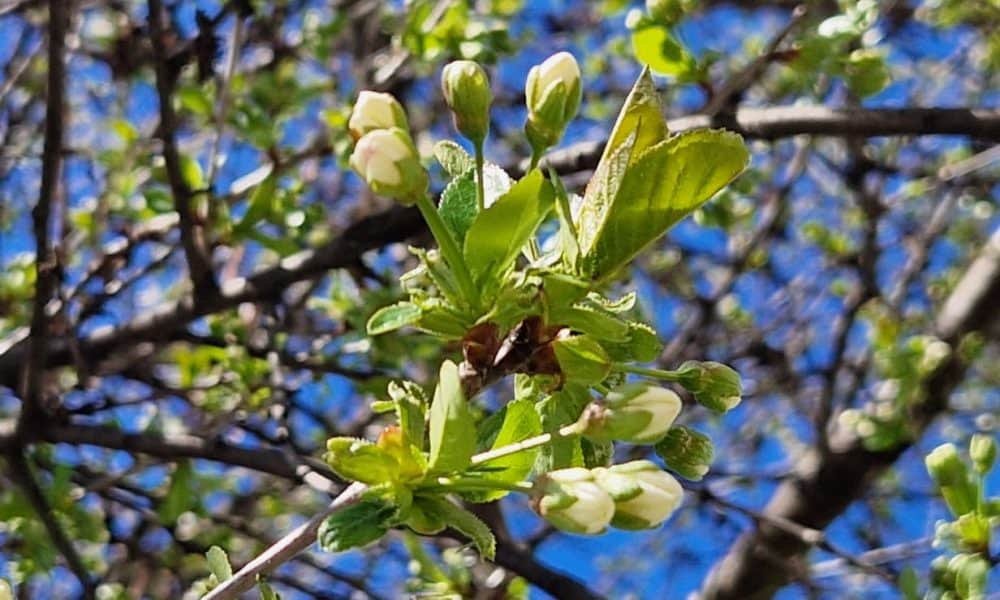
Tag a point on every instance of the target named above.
point(571, 500)
point(376, 110)
point(952, 476)
point(638, 413)
point(971, 572)
point(983, 452)
point(388, 162)
point(644, 494)
point(687, 452)
point(714, 385)
point(467, 93)
point(553, 93)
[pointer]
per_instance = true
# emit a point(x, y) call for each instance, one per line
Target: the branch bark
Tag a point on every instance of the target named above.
point(826, 482)
point(46, 260)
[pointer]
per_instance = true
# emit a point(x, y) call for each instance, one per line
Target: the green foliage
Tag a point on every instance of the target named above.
point(452, 426)
point(357, 525)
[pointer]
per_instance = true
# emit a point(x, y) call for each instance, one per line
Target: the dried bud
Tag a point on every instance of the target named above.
point(644, 494)
point(687, 452)
point(572, 501)
point(387, 160)
point(373, 111)
point(467, 92)
point(714, 385)
point(553, 94)
point(638, 413)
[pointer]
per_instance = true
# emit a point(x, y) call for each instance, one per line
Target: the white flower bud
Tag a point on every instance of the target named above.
point(644, 494)
point(387, 160)
point(553, 93)
point(467, 92)
point(376, 110)
point(572, 501)
point(638, 413)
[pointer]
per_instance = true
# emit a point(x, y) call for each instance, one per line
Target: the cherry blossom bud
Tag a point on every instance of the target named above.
point(572, 501)
point(467, 92)
point(639, 413)
point(553, 93)
point(983, 452)
point(373, 111)
point(644, 494)
point(714, 385)
point(952, 476)
point(387, 160)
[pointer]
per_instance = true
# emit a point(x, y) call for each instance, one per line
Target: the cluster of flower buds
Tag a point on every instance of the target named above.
point(553, 93)
point(638, 413)
point(384, 155)
point(634, 495)
point(467, 92)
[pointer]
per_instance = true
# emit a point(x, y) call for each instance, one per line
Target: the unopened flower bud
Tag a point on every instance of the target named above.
point(638, 413)
point(387, 160)
point(376, 110)
point(714, 385)
point(553, 95)
point(644, 494)
point(572, 501)
point(983, 452)
point(467, 92)
point(952, 476)
point(687, 452)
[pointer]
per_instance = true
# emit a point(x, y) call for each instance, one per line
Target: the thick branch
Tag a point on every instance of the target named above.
point(787, 121)
point(45, 255)
point(826, 483)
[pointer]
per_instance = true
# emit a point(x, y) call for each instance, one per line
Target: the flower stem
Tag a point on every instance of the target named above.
point(480, 184)
point(654, 373)
point(449, 248)
point(533, 442)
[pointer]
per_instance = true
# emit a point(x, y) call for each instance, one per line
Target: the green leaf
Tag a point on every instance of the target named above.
point(196, 100)
point(909, 584)
point(410, 404)
point(180, 496)
point(582, 359)
point(218, 563)
point(360, 460)
point(453, 157)
point(464, 522)
point(597, 323)
point(666, 183)
point(357, 525)
point(260, 204)
point(641, 116)
point(558, 409)
point(192, 173)
point(520, 422)
point(499, 232)
point(452, 427)
point(265, 589)
point(392, 317)
point(656, 47)
point(458, 206)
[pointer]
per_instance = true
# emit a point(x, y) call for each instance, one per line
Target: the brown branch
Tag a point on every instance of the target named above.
point(21, 471)
point(46, 260)
point(777, 122)
point(192, 231)
point(825, 483)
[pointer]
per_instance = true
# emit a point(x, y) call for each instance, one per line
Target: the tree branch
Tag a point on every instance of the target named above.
point(46, 260)
point(22, 474)
point(192, 232)
point(825, 483)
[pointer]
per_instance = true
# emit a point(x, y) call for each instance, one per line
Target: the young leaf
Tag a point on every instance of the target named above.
point(642, 115)
point(218, 563)
point(562, 408)
point(499, 232)
point(180, 497)
point(360, 460)
point(357, 525)
point(665, 184)
point(464, 522)
point(265, 589)
point(411, 410)
point(452, 428)
point(453, 157)
point(392, 317)
point(582, 359)
point(655, 47)
point(520, 421)
point(259, 205)
point(458, 206)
